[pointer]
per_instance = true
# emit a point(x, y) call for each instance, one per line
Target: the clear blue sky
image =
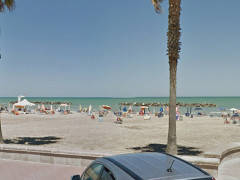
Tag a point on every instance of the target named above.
point(117, 49)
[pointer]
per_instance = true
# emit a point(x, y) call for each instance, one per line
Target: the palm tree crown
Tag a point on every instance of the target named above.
point(10, 4)
point(157, 6)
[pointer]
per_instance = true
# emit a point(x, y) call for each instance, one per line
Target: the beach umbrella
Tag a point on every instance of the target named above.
point(51, 108)
point(80, 107)
point(64, 105)
point(233, 109)
point(38, 106)
point(143, 109)
point(106, 107)
point(124, 109)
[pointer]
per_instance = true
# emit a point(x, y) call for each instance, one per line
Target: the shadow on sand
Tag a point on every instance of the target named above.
point(182, 150)
point(33, 140)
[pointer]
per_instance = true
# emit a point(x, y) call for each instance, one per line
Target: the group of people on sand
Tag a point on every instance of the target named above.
point(235, 117)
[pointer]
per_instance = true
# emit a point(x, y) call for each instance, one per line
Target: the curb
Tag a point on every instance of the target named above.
point(223, 151)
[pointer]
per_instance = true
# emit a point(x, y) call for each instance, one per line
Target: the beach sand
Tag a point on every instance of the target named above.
point(78, 131)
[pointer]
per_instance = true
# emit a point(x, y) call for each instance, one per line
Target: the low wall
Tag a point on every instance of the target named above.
point(47, 155)
point(223, 153)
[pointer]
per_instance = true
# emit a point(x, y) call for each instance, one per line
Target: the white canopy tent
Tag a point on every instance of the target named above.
point(23, 103)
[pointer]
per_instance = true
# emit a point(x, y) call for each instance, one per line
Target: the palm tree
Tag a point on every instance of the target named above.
point(10, 4)
point(173, 54)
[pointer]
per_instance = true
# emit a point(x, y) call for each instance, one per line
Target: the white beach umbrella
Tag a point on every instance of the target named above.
point(233, 109)
point(51, 108)
point(38, 106)
point(64, 105)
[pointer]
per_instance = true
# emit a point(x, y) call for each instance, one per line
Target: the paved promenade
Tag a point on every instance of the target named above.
point(230, 170)
point(19, 170)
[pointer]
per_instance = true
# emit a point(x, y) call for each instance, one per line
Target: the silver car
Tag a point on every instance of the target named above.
point(142, 166)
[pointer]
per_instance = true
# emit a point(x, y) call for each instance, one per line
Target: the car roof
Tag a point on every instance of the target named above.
point(156, 166)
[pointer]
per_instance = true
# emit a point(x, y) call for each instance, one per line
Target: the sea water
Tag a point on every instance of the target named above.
point(97, 102)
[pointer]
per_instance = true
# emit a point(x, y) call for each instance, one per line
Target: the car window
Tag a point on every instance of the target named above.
point(107, 175)
point(93, 172)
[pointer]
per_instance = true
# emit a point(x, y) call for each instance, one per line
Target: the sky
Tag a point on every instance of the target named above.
point(110, 48)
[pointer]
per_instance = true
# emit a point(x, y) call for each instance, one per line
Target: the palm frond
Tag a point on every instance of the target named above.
point(10, 4)
point(157, 6)
point(1, 6)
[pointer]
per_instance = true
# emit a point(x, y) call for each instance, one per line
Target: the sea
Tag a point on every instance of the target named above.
point(223, 103)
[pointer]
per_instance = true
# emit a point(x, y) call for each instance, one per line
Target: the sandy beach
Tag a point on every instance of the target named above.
point(78, 131)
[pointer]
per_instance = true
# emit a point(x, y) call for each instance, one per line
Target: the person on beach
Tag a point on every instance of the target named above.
point(119, 120)
point(226, 121)
point(167, 109)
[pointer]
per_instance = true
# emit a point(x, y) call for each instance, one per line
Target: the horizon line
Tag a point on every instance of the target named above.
point(113, 97)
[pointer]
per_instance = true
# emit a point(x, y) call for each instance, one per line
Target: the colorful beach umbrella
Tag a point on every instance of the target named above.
point(106, 107)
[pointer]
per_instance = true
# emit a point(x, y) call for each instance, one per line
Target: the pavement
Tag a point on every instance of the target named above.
point(229, 170)
point(20, 170)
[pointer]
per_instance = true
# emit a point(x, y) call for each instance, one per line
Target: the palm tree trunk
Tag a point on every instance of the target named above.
point(172, 132)
point(173, 53)
point(1, 137)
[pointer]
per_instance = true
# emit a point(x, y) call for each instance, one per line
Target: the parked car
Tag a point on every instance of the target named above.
point(142, 166)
